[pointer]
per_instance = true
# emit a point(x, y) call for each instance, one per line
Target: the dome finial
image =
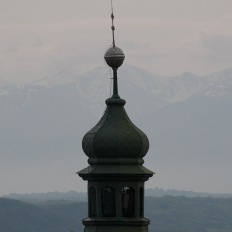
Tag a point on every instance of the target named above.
point(112, 17)
point(114, 57)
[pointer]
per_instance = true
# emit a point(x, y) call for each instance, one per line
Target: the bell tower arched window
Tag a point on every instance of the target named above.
point(108, 202)
point(141, 202)
point(92, 202)
point(128, 202)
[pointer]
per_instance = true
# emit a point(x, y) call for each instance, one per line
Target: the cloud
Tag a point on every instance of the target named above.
point(45, 37)
point(37, 50)
point(217, 48)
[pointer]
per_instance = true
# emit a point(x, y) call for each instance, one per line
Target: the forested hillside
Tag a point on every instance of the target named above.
point(167, 214)
point(182, 214)
point(16, 216)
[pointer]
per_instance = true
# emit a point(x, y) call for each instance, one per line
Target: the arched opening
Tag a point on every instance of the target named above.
point(92, 202)
point(141, 202)
point(108, 202)
point(128, 202)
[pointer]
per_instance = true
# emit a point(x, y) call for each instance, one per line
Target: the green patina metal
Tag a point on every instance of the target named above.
point(115, 175)
point(115, 135)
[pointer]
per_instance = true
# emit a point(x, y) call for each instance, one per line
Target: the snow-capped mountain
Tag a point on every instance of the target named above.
point(187, 119)
point(135, 85)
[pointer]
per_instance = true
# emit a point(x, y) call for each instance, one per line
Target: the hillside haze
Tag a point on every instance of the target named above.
point(187, 119)
point(167, 214)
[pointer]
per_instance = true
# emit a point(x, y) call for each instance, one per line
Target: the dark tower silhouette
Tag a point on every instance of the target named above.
point(116, 175)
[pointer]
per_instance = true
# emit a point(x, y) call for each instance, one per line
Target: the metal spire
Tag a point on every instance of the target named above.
point(114, 57)
point(112, 17)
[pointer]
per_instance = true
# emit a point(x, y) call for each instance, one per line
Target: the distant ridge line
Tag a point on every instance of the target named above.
point(82, 196)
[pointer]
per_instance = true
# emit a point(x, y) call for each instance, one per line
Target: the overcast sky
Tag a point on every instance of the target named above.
point(40, 38)
point(167, 37)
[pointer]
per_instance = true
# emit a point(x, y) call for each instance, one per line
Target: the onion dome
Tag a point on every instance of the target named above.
point(115, 136)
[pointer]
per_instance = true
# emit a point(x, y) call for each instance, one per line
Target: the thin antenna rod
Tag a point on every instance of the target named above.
point(112, 17)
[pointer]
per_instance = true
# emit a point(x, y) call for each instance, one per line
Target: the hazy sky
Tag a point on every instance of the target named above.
point(40, 38)
point(168, 37)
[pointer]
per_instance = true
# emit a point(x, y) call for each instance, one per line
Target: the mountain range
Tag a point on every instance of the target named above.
point(167, 214)
point(74, 196)
point(187, 119)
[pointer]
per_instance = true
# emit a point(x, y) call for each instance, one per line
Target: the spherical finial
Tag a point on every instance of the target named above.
point(114, 57)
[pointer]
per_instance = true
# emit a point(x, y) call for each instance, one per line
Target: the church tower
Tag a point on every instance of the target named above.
point(115, 175)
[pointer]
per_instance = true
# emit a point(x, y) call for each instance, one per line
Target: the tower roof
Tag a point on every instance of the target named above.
point(115, 136)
